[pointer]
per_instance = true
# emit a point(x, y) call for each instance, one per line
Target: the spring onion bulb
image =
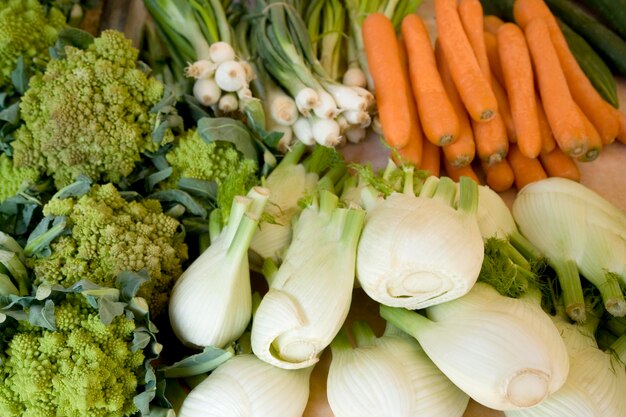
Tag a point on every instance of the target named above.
point(500, 351)
point(418, 251)
point(210, 304)
point(326, 131)
point(377, 126)
point(283, 109)
point(230, 76)
point(201, 69)
point(390, 376)
point(357, 118)
point(354, 77)
point(310, 294)
point(206, 91)
point(221, 52)
point(326, 107)
point(577, 230)
point(347, 98)
point(356, 134)
point(228, 103)
point(303, 131)
point(246, 386)
point(306, 100)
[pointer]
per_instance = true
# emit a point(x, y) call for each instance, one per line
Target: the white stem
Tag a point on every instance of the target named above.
point(206, 91)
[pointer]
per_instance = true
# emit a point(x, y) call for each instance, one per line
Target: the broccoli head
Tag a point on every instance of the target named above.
point(13, 178)
point(89, 113)
point(110, 235)
point(26, 30)
point(83, 368)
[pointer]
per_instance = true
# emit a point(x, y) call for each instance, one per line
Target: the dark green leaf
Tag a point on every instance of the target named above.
point(11, 114)
point(228, 130)
point(166, 105)
point(200, 188)
point(157, 177)
point(47, 230)
point(129, 282)
point(42, 316)
point(205, 361)
point(78, 188)
point(140, 341)
point(20, 76)
point(167, 122)
point(108, 309)
point(179, 196)
point(70, 36)
point(195, 108)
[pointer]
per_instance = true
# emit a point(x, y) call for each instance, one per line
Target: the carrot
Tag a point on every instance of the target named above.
point(526, 170)
point(456, 173)
point(471, 14)
point(590, 101)
point(492, 144)
point(499, 175)
point(621, 135)
point(492, 23)
point(491, 46)
point(565, 121)
point(547, 138)
point(462, 151)
point(439, 121)
point(473, 88)
point(431, 158)
point(392, 87)
point(595, 142)
point(504, 109)
point(520, 87)
point(558, 164)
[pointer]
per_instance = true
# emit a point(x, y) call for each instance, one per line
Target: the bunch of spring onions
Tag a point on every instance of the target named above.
point(316, 107)
point(199, 38)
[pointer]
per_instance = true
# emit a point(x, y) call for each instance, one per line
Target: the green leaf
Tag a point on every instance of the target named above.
point(157, 177)
point(167, 103)
point(20, 76)
point(204, 189)
point(70, 36)
point(196, 110)
point(129, 283)
point(228, 130)
point(78, 188)
point(11, 114)
point(205, 361)
point(166, 122)
point(48, 229)
point(42, 316)
point(179, 196)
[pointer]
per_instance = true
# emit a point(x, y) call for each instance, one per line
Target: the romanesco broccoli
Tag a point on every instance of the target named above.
point(110, 235)
point(83, 368)
point(89, 114)
point(13, 178)
point(25, 30)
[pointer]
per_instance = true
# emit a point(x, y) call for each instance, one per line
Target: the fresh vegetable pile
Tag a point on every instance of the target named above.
point(180, 233)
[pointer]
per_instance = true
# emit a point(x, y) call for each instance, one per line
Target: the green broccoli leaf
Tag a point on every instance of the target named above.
point(129, 282)
point(204, 189)
point(179, 196)
point(42, 316)
point(228, 130)
point(206, 361)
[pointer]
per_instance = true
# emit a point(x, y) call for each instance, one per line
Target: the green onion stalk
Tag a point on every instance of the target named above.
point(199, 37)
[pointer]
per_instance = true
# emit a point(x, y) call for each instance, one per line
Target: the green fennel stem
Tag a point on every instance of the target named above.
point(524, 246)
point(567, 273)
point(619, 348)
point(363, 333)
point(468, 196)
point(408, 321)
point(352, 227)
point(430, 187)
point(446, 191)
point(239, 208)
point(215, 224)
point(611, 293)
point(6, 286)
point(340, 343)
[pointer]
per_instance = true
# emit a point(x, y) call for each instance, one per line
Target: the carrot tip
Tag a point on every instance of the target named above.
point(446, 139)
point(487, 115)
point(589, 156)
point(495, 158)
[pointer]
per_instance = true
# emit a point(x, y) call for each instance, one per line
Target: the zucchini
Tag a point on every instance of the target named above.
point(612, 11)
point(603, 39)
point(593, 66)
point(501, 8)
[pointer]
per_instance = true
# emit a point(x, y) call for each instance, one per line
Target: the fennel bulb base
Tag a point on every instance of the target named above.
point(528, 387)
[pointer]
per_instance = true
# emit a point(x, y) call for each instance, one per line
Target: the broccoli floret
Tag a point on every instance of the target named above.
point(217, 161)
point(25, 30)
point(13, 178)
point(110, 235)
point(83, 368)
point(89, 114)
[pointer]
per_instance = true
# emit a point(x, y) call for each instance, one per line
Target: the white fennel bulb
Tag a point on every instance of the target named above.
point(576, 230)
point(211, 302)
point(388, 376)
point(310, 294)
point(247, 386)
point(417, 251)
point(501, 352)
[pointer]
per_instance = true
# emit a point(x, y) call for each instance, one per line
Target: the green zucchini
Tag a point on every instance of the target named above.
point(603, 39)
point(593, 66)
point(612, 11)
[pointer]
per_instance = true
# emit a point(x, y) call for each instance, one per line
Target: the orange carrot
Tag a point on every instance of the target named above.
point(504, 109)
point(499, 175)
point(456, 173)
point(431, 158)
point(471, 14)
point(595, 142)
point(621, 135)
point(586, 96)
point(462, 151)
point(473, 88)
point(565, 121)
point(492, 143)
point(392, 87)
point(558, 164)
point(439, 121)
point(520, 87)
point(492, 23)
point(526, 170)
point(491, 46)
point(547, 138)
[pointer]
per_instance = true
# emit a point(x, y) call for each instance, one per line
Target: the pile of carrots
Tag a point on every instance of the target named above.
point(511, 96)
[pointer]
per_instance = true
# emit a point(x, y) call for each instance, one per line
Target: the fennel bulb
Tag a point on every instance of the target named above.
point(246, 386)
point(417, 251)
point(211, 302)
point(310, 293)
point(504, 353)
point(577, 230)
point(388, 376)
